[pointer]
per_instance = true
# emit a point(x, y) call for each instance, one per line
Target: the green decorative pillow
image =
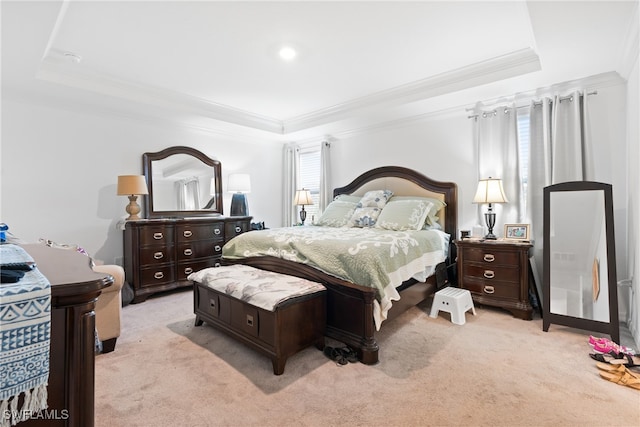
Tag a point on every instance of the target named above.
point(348, 198)
point(403, 215)
point(432, 215)
point(337, 214)
point(365, 217)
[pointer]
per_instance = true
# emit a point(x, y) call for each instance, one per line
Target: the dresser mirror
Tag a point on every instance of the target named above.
point(580, 285)
point(182, 182)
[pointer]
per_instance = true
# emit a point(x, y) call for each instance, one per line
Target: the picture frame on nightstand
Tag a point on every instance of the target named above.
point(516, 231)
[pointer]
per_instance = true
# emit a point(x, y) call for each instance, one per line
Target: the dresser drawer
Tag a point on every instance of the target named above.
point(492, 288)
point(156, 235)
point(155, 276)
point(186, 268)
point(488, 272)
point(153, 255)
point(490, 256)
point(234, 228)
point(199, 249)
point(192, 232)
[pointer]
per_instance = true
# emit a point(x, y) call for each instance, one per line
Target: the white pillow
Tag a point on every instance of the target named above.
point(375, 199)
point(365, 217)
point(337, 214)
point(403, 215)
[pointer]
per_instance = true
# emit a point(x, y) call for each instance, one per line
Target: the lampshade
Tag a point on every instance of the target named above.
point(129, 185)
point(490, 191)
point(303, 197)
point(239, 183)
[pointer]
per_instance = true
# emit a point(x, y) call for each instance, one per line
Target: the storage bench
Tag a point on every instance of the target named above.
point(275, 314)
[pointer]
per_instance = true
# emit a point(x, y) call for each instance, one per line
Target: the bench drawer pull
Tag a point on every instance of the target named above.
point(188, 252)
point(249, 320)
point(158, 255)
point(158, 275)
point(187, 233)
point(158, 236)
point(489, 257)
point(488, 290)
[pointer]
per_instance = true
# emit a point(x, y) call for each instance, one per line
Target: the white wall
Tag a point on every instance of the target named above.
point(632, 251)
point(60, 168)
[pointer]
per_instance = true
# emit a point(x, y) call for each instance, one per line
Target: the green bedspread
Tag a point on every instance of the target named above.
point(372, 257)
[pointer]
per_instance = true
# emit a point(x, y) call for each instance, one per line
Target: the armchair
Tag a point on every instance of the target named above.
point(108, 307)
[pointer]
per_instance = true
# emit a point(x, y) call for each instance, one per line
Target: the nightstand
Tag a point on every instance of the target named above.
point(496, 272)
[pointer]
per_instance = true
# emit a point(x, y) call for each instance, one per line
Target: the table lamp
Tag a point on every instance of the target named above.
point(490, 191)
point(302, 198)
point(132, 186)
point(239, 185)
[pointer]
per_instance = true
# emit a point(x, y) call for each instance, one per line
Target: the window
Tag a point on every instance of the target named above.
point(310, 179)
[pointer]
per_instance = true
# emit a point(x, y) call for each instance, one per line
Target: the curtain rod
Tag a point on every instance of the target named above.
point(535, 103)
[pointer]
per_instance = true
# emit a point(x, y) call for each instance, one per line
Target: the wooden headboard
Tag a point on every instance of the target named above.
point(407, 182)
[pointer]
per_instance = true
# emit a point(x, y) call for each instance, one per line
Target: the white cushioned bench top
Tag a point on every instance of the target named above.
point(260, 288)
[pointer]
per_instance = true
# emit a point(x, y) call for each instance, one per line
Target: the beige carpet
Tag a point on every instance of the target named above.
point(494, 370)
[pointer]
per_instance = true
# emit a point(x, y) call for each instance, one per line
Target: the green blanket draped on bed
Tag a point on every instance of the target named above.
point(373, 257)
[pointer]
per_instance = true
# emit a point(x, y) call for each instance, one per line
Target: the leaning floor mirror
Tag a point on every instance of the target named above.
point(580, 285)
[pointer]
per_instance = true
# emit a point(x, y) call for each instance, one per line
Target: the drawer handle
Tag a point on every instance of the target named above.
point(217, 264)
point(188, 252)
point(158, 274)
point(187, 233)
point(157, 236)
point(158, 255)
point(488, 290)
point(216, 231)
point(212, 303)
point(238, 229)
point(217, 248)
point(188, 270)
point(489, 257)
point(249, 320)
point(489, 274)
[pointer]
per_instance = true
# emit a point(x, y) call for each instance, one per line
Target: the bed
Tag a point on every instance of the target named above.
point(357, 306)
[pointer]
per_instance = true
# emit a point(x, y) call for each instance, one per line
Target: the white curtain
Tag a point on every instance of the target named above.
point(188, 193)
point(497, 144)
point(291, 162)
point(559, 151)
point(326, 192)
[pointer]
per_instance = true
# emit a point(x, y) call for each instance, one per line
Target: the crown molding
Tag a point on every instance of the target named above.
point(498, 68)
point(54, 70)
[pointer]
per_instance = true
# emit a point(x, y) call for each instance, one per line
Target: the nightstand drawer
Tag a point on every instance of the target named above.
point(491, 256)
point(492, 288)
point(503, 274)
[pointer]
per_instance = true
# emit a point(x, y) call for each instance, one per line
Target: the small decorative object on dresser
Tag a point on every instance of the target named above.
point(497, 273)
point(516, 231)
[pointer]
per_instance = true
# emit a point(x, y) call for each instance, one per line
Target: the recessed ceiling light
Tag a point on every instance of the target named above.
point(287, 53)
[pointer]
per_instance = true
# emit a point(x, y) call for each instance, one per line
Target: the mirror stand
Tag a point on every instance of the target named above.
point(580, 284)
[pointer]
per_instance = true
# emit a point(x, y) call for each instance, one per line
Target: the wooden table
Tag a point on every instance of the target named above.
point(75, 287)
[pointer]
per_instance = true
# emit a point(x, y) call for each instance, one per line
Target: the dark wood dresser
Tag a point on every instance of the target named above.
point(496, 272)
point(75, 287)
point(159, 254)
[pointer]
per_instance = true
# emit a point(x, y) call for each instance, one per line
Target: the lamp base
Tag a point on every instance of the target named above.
point(303, 215)
point(490, 219)
point(239, 205)
point(133, 209)
point(490, 236)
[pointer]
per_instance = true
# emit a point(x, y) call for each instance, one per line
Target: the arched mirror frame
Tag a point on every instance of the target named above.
point(147, 166)
point(612, 327)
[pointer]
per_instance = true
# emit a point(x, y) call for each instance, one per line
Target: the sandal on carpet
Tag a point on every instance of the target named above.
point(610, 368)
point(604, 345)
point(349, 354)
point(336, 355)
point(628, 360)
point(626, 378)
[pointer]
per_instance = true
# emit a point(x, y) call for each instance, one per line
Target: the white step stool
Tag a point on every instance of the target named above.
point(454, 301)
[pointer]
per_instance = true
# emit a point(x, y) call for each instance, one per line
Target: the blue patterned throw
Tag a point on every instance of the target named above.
point(25, 324)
